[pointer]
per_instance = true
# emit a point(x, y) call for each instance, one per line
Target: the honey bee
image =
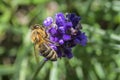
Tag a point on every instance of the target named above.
point(41, 41)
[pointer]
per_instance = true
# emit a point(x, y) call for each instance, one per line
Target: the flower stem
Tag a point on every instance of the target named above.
point(39, 67)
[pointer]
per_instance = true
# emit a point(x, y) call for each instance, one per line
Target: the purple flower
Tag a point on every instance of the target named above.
point(47, 22)
point(73, 18)
point(65, 32)
point(81, 38)
point(52, 31)
point(55, 39)
point(68, 25)
point(61, 29)
point(66, 37)
point(61, 41)
point(60, 19)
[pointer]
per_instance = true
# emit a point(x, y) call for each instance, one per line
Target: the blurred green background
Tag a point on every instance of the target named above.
point(98, 60)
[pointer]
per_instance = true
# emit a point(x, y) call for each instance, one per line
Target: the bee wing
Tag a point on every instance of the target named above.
point(36, 53)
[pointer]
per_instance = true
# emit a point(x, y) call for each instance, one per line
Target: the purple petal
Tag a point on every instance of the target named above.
point(73, 18)
point(75, 21)
point(66, 37)
point(81, 39)
point(54, 39)
point(48, 21)
point(68, 25)
point(52, 31)
point(61, 41)
point(84, 41)
point(77, 41)
point(53, 47)
point(60, 19)
point(61, 29)
point(60, 16)
point(70, 15)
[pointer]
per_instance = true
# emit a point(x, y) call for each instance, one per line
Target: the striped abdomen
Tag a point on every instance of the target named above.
point(48, 52)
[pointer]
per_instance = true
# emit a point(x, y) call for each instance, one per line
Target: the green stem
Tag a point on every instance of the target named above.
point(38, 69)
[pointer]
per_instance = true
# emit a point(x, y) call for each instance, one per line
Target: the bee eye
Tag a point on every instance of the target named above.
point(35, 26)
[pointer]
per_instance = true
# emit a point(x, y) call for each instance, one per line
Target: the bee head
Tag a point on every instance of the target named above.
point(36, 26)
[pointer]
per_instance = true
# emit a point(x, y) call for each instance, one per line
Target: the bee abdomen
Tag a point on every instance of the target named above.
point(45, 52)
point(48, 53)
point(54, 57)
point(51, 55)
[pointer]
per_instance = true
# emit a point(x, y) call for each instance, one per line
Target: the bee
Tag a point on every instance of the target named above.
point(41, 41)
